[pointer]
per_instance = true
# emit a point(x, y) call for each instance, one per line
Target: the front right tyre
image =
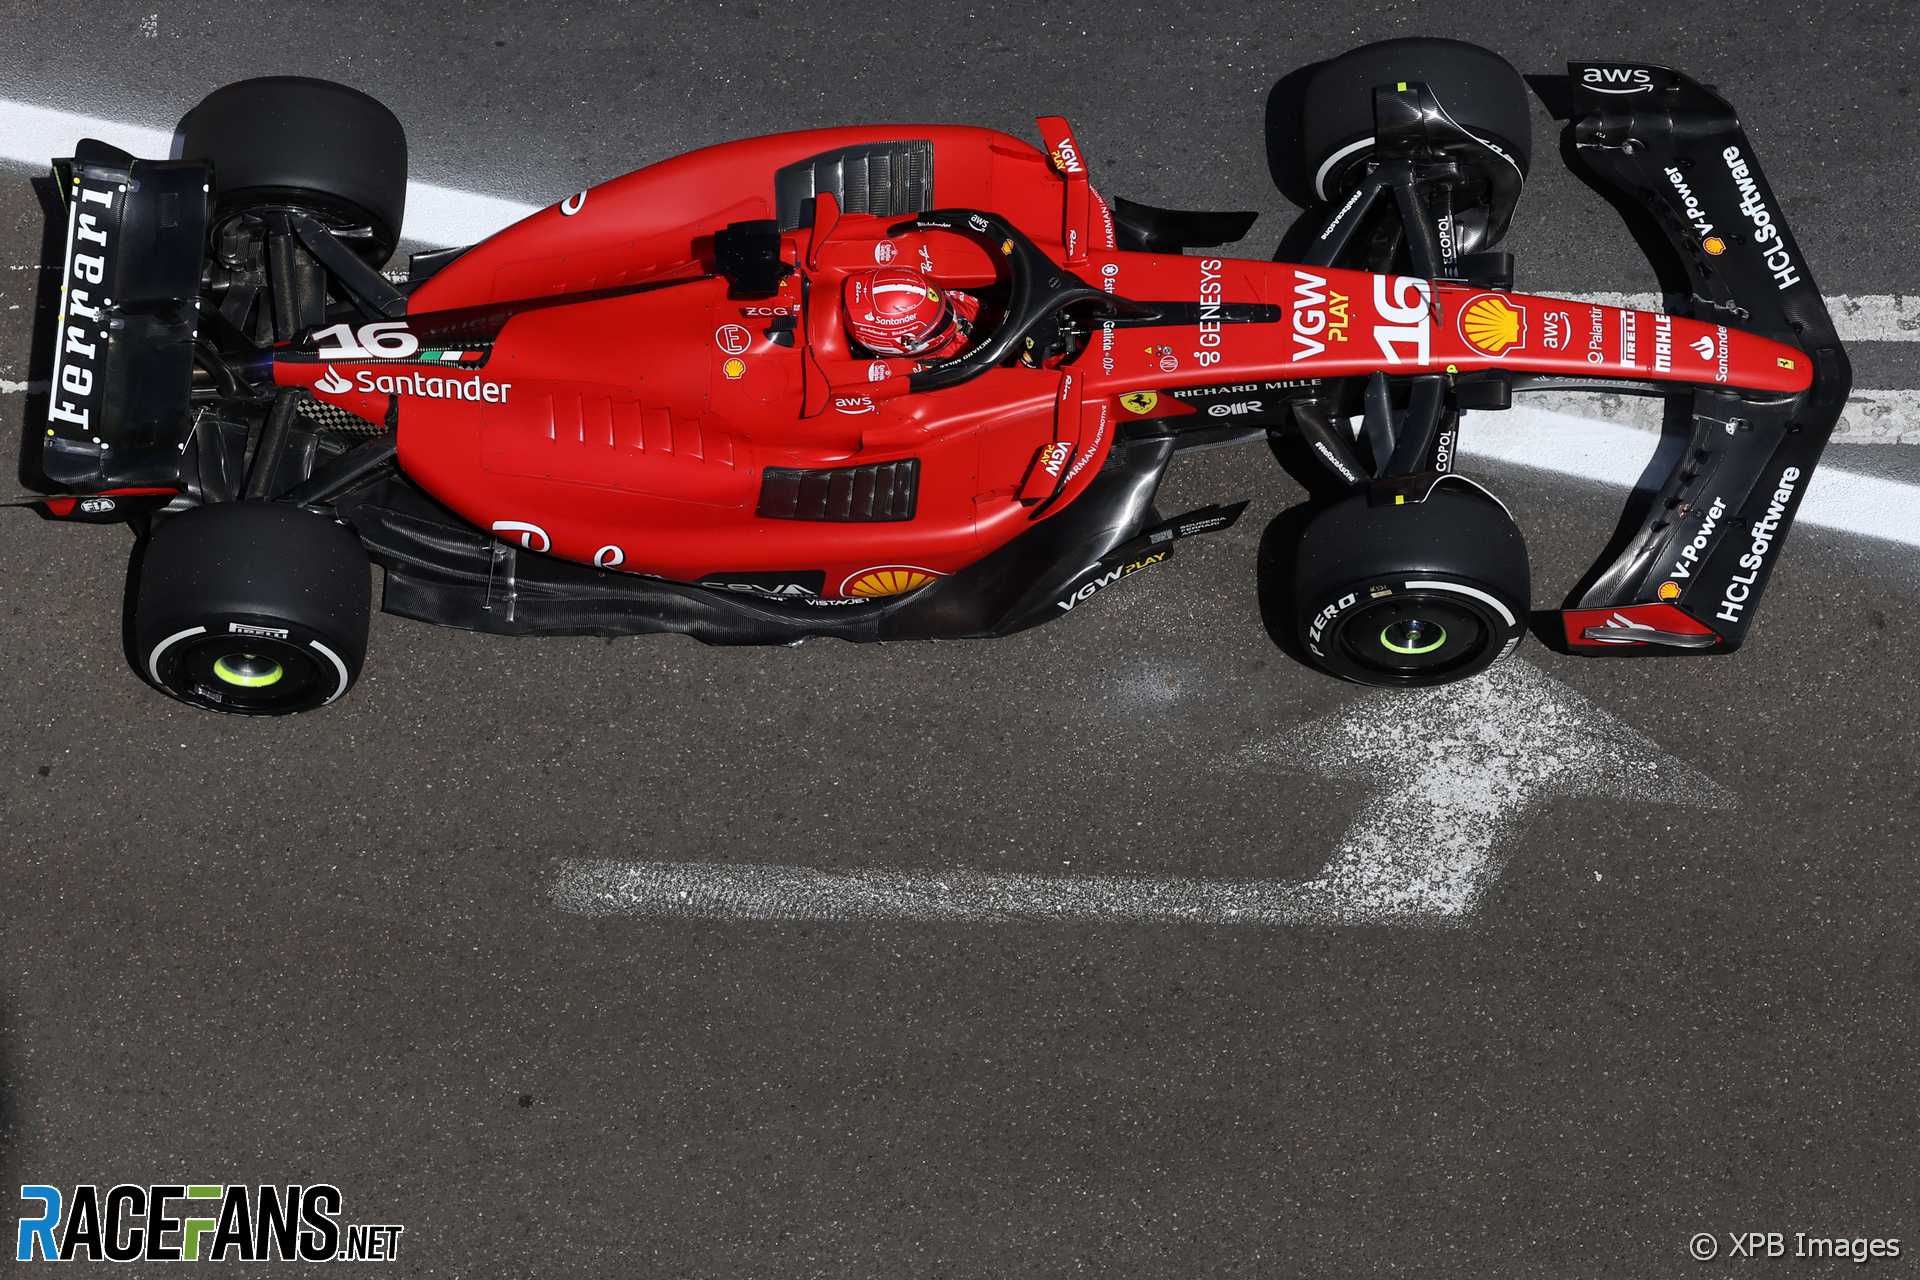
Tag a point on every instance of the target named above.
point(1478, 88)
point(250, 608)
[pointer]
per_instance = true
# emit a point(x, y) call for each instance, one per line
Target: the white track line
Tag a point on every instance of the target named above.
point(32, 134)
point(1872, 317)
point(436, 215)
point(1612, 454)
point(1422, 848)
point(1871, 417)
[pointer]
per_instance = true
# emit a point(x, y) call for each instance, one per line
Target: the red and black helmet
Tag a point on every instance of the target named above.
point(892, 311)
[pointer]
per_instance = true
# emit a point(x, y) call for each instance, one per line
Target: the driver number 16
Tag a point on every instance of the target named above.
point(1404, 305)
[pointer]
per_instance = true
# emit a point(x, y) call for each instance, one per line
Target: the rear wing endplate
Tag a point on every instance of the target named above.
point(122, 370)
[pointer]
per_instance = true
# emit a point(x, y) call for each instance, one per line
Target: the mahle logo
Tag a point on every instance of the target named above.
point(193, 1222)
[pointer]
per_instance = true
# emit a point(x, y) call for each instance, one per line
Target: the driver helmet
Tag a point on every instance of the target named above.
point(892, 311)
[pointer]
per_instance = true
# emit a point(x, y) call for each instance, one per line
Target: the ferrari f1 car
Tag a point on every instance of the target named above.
point(645, 409)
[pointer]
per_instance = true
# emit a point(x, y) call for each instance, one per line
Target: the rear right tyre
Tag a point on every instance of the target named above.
point(251, 608)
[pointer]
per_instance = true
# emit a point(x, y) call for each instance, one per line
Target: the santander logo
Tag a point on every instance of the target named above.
point(333, 384)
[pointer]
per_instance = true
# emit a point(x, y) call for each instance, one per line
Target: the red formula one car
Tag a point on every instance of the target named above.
point(900, 382)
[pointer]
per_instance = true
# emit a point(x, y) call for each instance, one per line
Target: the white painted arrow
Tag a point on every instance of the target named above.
point(1456, 771)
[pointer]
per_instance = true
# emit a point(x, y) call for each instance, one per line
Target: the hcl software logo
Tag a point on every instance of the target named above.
point(132, 1223)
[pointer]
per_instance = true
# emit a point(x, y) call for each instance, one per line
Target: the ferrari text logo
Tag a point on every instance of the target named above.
point(82, 328)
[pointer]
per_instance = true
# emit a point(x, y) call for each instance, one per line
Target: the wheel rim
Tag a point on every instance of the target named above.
point(248, 670)
point(252, 675)
point(1412, 637)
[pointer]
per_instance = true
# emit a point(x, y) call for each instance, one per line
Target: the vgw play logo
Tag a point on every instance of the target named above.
point(132, 1223)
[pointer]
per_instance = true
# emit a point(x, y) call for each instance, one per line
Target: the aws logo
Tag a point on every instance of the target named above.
point(1491, 324)
point(1618, 79)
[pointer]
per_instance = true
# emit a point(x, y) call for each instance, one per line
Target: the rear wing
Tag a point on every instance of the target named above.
point(122, 370)
point(1691, 576)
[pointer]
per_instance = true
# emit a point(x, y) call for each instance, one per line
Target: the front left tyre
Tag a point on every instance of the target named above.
point(1401, 595)
point(251, 608)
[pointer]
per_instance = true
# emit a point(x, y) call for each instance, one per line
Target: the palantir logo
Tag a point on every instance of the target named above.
point(133, 1223)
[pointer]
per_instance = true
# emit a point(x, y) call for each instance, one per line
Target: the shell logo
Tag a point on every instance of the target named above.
point(1669, 591)
point(1491, 324)
point(887, 580)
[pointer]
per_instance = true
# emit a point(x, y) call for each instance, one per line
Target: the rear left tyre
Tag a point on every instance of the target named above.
point(298, 143)
point(251, 608)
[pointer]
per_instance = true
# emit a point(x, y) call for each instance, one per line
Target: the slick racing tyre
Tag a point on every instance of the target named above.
point(251, 608)
point(1418, 594)
point(311, 145)
point(1477, 87)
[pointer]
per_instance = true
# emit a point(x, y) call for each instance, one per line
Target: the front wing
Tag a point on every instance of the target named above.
point(1690, 578)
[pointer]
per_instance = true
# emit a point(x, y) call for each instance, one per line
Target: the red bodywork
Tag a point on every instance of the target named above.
point(627, 407)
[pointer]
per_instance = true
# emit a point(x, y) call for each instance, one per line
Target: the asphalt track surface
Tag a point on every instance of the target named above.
point(344, 948)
